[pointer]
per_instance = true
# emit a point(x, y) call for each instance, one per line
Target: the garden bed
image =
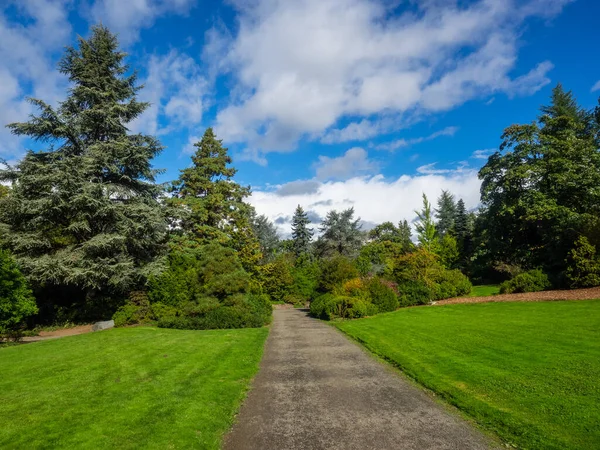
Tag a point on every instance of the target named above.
point(573, 294)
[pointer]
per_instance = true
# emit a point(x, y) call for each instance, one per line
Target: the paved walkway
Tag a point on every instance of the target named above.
point(318, 390)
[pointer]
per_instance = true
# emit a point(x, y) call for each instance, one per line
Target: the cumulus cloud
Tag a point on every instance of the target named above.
point(352, 163)
point(303, 66)
point(375, 199)
point(596, 87)
point(27, 52)
point(177, 91)
point(402, 143)
point(127, 18)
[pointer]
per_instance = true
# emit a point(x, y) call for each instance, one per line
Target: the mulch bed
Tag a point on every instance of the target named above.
point(574, 294)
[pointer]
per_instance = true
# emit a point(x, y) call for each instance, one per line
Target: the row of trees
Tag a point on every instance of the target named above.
point(91, 230)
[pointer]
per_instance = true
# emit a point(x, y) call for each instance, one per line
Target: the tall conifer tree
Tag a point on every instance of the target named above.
point(301, 233)
point(83, 213)
point(445, 213)
point(425, 226)
point(213, 204)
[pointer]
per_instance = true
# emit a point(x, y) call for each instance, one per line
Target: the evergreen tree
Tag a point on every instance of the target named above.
point(212, 205)
point(463, 230)
point(405, 236)
point(340, 234)
point(83, 214)
point(445, 213)
point(266, 233)
point(426, 231)
point(301, 233)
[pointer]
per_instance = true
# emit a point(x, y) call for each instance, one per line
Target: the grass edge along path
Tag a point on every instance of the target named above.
point(526, 371)
point(126, 388)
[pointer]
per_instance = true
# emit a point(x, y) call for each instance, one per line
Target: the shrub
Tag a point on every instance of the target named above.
point(583, 265)
point(318, 305)
point(16, 299)
point(329, 306)
point(530, 281)
point(276, 278)
point(382, 295)
point(334, 272)
point(356, 287)
point(421, 279)
point(453, 283)
point(414, 293)
point(139, 310)
point(248, 311)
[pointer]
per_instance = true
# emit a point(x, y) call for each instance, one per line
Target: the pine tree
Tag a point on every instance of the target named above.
point(405, 236)
point(445, 213)
point(83, 214)
point(301, 233)
point(426, 231)
point(212, 204)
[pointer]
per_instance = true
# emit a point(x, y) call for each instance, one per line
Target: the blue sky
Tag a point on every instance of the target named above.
point(323, 103)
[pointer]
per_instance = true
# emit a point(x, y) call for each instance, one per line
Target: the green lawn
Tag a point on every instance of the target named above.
point(484, 290)
point(528, 371)
point(126, 388)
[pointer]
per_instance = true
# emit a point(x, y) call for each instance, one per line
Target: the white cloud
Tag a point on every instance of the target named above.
point(128, 17)
point(303, 66)
point(402, 143)
point(177, 90)
point(352, 163)
point(354, 131)
point(374, 199)
point(483, 154)
point(596, 87)
point(26, 63)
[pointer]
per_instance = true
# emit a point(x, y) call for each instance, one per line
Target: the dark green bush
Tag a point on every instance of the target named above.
point(139, 310)
point(318, 305)
point(16, 300)
point(414, 293)
point(530, 281)
point(249, 311)
point(583, 265)
point(382, 295)
point(453, 283)
point(210, 271)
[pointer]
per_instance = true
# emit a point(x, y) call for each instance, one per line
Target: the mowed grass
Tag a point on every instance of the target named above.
point(528, 371)
point(126, 388)
point(484, 290)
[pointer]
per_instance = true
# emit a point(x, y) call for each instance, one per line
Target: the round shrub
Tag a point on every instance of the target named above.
point(319, 304)
point(414, 293)
point(530, 281)
point(356, 308)
point(382, 295)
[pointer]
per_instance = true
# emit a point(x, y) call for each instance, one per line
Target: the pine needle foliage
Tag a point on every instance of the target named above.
point(83, 213)
point(301, 233)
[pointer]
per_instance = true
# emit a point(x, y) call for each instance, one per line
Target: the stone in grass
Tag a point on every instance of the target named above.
point(103, 325)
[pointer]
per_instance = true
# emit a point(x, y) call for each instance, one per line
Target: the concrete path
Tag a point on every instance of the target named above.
point(318, 390)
